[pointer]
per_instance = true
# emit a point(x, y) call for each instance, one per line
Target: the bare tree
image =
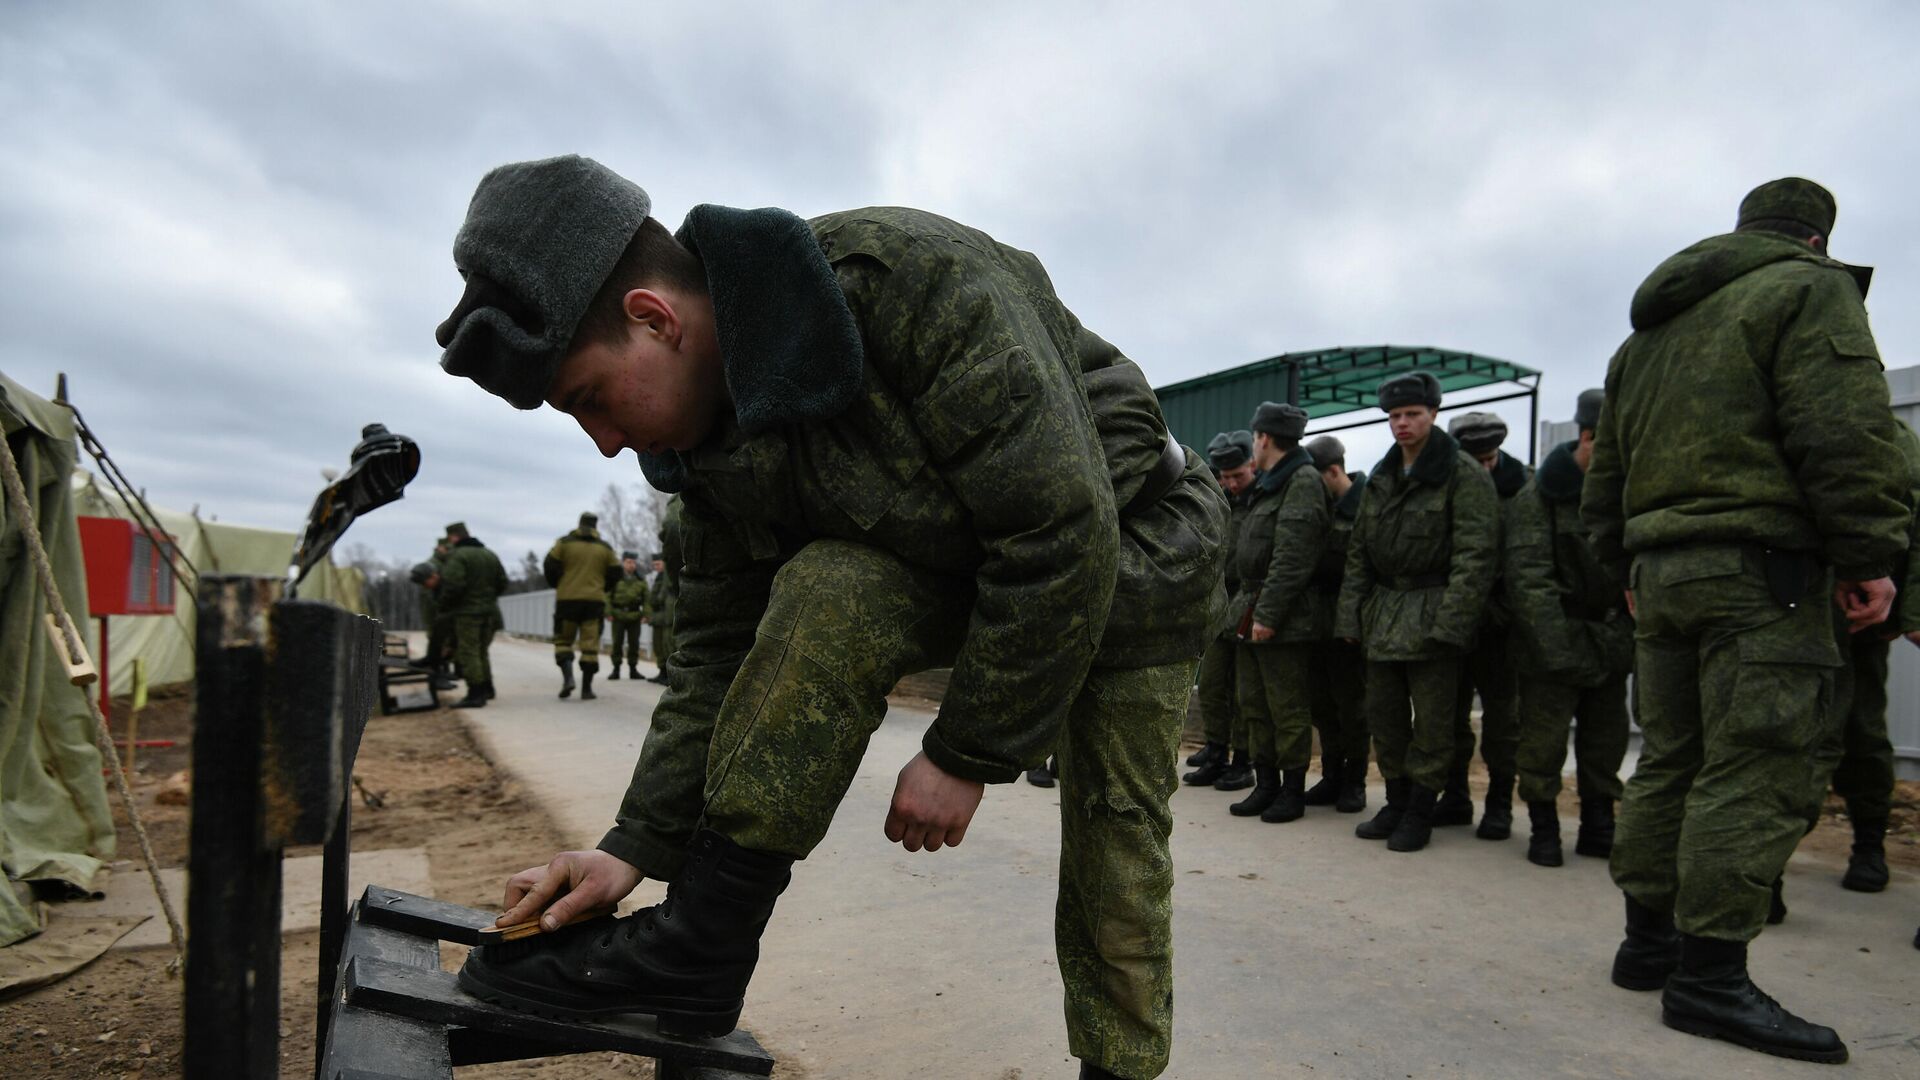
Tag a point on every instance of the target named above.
point(530, 578)
point(630, 518)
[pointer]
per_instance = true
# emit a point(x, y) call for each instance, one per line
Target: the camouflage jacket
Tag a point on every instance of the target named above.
point(1569, 617)
point(1423, 556)
point(1509, 474)
point(1280, 548)
point(581, 566)
point(663, 597)
point(1228, 625)
point(1333, 559)
point(471, 580)
point(906, 382)
point(1906, 608)
point(627, 600)
point(1748, 407)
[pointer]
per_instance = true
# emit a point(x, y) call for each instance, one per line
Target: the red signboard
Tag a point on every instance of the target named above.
point(126, 573)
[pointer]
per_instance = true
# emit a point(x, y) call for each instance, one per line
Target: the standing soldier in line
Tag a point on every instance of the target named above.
point(581, 568)
point(1423, 555)
point(1747, 475)
point(663, 599)
point(1572, 639)
point(471, 581)
point(426, 577)
point(1488, 669)
point(1338, 683)
point(626, 610)
point(1231, 455)
point(1288, 516)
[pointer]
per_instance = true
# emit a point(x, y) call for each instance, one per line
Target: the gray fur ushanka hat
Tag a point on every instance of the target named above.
point(1412, 388)
point(1280, 420)
point(1478, 432)
point(539, 239)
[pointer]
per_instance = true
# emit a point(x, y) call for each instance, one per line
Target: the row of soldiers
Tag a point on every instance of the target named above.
point(591, 585)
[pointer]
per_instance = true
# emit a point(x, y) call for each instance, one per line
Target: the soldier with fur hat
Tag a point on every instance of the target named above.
point(1338, 684)
point(1223, 762)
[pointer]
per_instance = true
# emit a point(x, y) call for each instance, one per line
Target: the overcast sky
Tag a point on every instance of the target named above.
point(231, 224)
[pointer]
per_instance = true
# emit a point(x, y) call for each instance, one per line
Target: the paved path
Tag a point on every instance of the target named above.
point(1301, 950)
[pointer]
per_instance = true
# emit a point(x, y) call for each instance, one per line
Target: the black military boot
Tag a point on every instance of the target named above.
point(1543, 844)
point(566, 677)
point(1382, 824)
point(1327, 791)
point(476, 698)
point(1353, 787)
point(1090, 1071)
point(487, 687)
point(633, 671)
point(587, 671)
point(1496, 823)
point(1650, 951)
point(1867, 866)
point(1595, 838)
point(1777, 906)
point(1291, 803)
point(1455, 804)
point(1042, 775)
point(1238, 774)
point(1212, 765)
point(1266, 788)
point(686, 960)
point(614, 675)
point(1416, 825)
point(1712, 995)
point(441, 682)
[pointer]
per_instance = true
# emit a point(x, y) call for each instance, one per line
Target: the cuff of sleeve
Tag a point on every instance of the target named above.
point(652, 856)
point(1862, 572)
point(965, 766)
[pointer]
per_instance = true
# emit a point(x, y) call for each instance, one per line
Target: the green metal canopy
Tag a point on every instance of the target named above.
point(1330, 382)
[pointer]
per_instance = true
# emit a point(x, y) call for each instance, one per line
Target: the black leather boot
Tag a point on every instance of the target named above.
point(633, 671)
point(1867, 866)
point(1596, 828)
point(488, 688)
point(1496, 822)
point(1543, 844)
point(1090, 1071)
point(1266, 788)
point(1042, 775)
point(1353, 787)
point(614, 675)
point(477, 696)
point(1382, 824)
point(686, 960)
point(1455, 803)
point(1650, 951)
point(1237, 775)
point(1416, 825)
point(566, 677)
point(1326, 791)
point(1291, 803)
point(1777, 906)
point(1711, 995)
point(587, 670)
point(1212, 765)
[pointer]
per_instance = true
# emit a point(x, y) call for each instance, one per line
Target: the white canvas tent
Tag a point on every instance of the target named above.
point(165, 642)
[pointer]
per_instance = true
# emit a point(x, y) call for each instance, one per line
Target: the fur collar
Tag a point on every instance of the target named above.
point(1560, 478)
point(1349, 505)
point(1509, 476)
point(1276, 478)
point(1434, 466)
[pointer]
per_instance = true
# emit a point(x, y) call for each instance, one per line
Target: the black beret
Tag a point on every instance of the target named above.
point(539, 240)
point(1791, 198)
point(1327, 450)
point(1411, 388)
point(1280, 419)
point(1586, 411)
point(1478, 432)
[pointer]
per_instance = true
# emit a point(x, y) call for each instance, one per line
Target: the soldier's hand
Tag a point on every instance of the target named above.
point(931, 807)
point(576, 885)
point(1865, 603)
point(1261, 631)
point(1630, 611)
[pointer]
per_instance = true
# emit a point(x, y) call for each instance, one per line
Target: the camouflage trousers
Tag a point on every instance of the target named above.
point(1598, 717)
point(626, 642)
point(576, 623)
point(843, 623)
point(1856, 756)
point(1733, 692)
point(1488, 671)
point(440, 638)
point(472, 634)
point(1274, 703)
point(1219, 718)
point(1337, 688)
point(1410, 707)
point(662, 644)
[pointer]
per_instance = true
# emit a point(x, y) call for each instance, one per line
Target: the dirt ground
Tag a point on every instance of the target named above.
point(120, 1016)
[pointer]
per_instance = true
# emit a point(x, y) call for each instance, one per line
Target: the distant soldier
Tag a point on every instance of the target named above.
point(1338, 683)
point(1231, 455)
point(1421, 561)
point(1282, 616)
point(471, 581)
point(426, 578)
point(1488, 669)
point(664, 595)
point(626, 610)
point(1572, 641)
point(1746, 475)
point(581, 568)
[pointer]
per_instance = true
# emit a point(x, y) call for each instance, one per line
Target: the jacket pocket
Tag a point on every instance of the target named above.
point(1783, 690)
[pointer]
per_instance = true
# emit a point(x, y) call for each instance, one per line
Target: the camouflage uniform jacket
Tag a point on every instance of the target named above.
point(1228, 624)
point(1423, 556)
point(471, 580)
point(1906, 607)
point(1280, 548)
point(1748, 407)
point(1333, 560)
point(1569, 617)
point(1509, 474)
point(627, 600)
point(581, 566)
point(430, 597)
point(905, 382)
point(663, 596)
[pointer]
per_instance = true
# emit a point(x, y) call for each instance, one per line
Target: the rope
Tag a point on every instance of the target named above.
point(77, 655)
point(134, 503)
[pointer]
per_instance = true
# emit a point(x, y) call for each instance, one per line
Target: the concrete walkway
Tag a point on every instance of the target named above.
point(1302, 951)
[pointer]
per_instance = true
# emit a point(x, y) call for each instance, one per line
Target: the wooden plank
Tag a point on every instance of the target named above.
point(370, 1043)
point(434, 995)
point(423, 915)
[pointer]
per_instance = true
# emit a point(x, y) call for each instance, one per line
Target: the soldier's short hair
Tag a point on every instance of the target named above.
point(652, 257)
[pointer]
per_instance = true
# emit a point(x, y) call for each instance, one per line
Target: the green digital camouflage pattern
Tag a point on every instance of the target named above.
point(1216, 686)
point(1857, 756)
point(1409, 707)
point(1288, 517)
point(626, 606)
point(471, 580)
point(1597, 715)
point(1490, 670)
point(1438, 520)
point(472, 636)
point(1337, 686)
point(1271, 685)
point(580, 566)
point(1748, 406)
